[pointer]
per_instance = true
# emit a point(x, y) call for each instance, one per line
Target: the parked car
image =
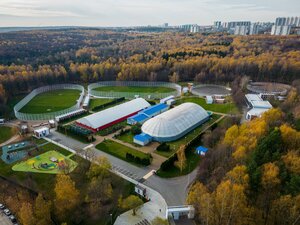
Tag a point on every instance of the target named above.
point(7, 212)
point(2, 206)
point(13, 218)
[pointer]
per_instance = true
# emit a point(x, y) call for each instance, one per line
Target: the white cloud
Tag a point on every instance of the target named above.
point(140, 12)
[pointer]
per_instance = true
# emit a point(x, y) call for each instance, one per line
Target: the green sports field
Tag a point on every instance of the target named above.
point(6, 133)
point(51, 101)
point(43, 164)
point(135, 89)
point(227, 108)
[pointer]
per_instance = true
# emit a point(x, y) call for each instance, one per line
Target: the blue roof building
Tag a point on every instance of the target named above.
point(142, 139)
point(148, 113)
point(201, 150)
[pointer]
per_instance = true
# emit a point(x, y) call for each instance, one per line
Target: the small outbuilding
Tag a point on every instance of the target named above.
point(201, 150)
point(142, 139)
point(140, 190)
point(41, 132)
point(209, 99)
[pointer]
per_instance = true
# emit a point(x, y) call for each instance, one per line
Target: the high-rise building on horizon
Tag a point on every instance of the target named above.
point(241, 30)
point(217, 24)
point(284, 25)
point(254, 28)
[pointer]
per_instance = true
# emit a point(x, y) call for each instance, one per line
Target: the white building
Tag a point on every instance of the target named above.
point(241, 30)
point(41, 132)
point(209, 99)
point(254, 28)
point(258, 106)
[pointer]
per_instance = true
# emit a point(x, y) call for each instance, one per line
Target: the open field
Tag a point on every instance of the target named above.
point(51, 101)
point(6, 133)
point(135, 89)
point(119, 150)
point(126, 137)
point(43, 164)
point(99, 101)
point(174, 145)
point(228, 108)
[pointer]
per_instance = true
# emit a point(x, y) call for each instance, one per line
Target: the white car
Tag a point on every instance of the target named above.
point(2, 206)
point(13, 218)
point(7, 212)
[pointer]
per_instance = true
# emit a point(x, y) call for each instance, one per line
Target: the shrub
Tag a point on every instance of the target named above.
point(136, 129)
point(169, 163)
point(163, 147)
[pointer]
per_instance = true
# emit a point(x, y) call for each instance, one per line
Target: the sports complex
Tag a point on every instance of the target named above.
point(160, 112)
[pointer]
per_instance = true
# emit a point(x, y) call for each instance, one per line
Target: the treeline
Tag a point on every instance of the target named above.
point(33, 58)
point(252, 176)
point(90, 195)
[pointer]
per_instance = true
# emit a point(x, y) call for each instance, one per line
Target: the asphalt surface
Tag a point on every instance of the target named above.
point(4, 220)
point(173, 190)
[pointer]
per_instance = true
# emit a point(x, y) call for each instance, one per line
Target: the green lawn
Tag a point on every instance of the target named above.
point(51, 101)
point(99, 101)
point(119, 150)
point(192, 162)
point(174, 145)
point(228, 108)
point(6, 133)
point(135, 89)
point(126, 137)
point(34, 165)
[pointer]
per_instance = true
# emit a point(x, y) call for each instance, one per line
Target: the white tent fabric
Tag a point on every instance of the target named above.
point(112, 114)
point(175, 121)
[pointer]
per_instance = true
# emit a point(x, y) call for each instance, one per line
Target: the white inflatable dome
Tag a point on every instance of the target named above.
point(176, 122)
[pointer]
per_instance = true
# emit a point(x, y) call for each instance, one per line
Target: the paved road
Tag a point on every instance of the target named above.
point(4, 220)
point(173, 190)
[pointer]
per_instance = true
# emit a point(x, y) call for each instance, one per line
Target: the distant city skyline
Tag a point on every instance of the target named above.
point(140, 12)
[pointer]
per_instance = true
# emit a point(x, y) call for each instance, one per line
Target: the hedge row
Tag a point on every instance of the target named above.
point(138, 160)
point(105, 105)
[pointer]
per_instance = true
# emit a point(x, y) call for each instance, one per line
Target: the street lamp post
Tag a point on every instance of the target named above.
point(111, 220)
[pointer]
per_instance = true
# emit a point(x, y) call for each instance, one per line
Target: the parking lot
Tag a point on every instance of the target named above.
point(4, 220)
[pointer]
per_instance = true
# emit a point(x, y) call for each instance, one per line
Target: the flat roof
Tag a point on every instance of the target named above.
point(156, 108)
point(256, 111)
point(257, 102)
point(139, 117)
point(142, 137)
point(41, 129)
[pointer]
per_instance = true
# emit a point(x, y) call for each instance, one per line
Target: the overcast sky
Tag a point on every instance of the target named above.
point(140, 12)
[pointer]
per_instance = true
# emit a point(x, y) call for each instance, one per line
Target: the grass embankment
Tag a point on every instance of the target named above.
point(99, 101)
point(120, 151)
point(227, 108)
point(174, 145)
point(51, 101)
point(134, 89)
point(192, 159)
point(126, 137)
point(192, 162)
point(6, 133)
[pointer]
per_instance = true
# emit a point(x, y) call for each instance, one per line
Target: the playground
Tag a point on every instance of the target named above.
point(15, 152)
point(51, 162)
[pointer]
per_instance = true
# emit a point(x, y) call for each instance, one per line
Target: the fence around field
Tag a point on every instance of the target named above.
point(268, 88)
point(226, 91)
point(50, 115)
point(113, 94)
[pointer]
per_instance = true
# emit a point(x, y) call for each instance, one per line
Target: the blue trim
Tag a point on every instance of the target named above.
point(145, 138)
point(202, 149)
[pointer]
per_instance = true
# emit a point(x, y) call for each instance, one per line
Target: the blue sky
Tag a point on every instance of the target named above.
point(140, 12)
